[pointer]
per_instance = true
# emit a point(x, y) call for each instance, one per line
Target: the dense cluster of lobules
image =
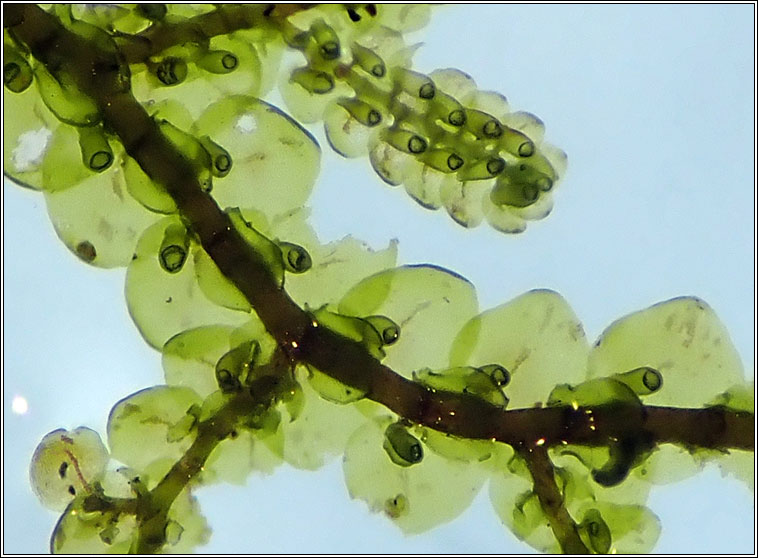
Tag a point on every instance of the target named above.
point(446, 141)
point(236, 398)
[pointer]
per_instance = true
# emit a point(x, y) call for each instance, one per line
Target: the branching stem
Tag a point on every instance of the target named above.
point(543, 475)
point(99, 75)
point(341, 358)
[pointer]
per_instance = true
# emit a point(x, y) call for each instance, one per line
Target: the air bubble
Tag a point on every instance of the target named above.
point(218, 62)
point(526, 149)
point(173, 250)
point(296, 259)
point(86, 251)
point(416, 144)
point(397, 506)
point(405, 140)
point(313, 81)
point(426, 91)
point(454, 162)
point(492, 129)
point(369, 61)
point(96, 152)
point(221, 161)
point(402, 447)
point(495, 166)
point(361, 111)
point(388, 330)
point(326, 39)
point(171, 71)
point(545, 184)
point(457, 118)
point(499, 374)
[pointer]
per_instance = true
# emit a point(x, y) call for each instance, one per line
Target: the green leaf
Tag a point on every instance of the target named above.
point(275, 160)
point(416, 498)
point(186, 528)
point(536, 337)
point(430, 304)
point(681, 338)
point(164, 303)
point(97, 220)
point(144, 429)
point(320, 430)
point(81, 532)
point(67, 464)
point(190, 357)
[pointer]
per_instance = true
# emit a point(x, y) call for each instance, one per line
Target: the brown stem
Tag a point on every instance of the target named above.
point(163, 35)
point(99, 75)
point(152, 516)
point(550, 497)
point(339, 357)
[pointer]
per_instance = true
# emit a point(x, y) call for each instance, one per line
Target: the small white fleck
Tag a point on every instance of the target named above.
point(31, 149)
point(19, 405)
point(246, 124)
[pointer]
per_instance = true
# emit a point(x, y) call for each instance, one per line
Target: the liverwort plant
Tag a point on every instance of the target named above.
point(503, 259)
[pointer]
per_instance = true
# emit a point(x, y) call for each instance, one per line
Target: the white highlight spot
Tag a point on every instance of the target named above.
point(246, 124)
point(19, 405)
point(31, 149)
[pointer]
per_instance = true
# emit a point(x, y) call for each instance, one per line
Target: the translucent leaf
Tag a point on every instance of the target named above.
point(347, 135)
point(63, 98)
point(139, 428)
point(275, 160)
point(740, 464)
point(389, 163)
point(234, 458)
point(682, 339)
point(634, 529)
point(668, 463)
point(536, 337)
point(164, 303)
point(319, 432)
point(452, 447)
point(740, 397)
point(189, 358)
point(335, 266)
point(215, 285)
point(97, 220)
point(524, 122)
point(186, 528)
point(455, 83)
point(62, 167)
point(464, 201)
point(308, 92)
point(404, 17)
point(491, 101)
point(417, 498)
point(66, 464)
point(424, 184)
point(519, 509)
point(79, 532)
point(501, 218)
point(430, 304)
point(333, 390)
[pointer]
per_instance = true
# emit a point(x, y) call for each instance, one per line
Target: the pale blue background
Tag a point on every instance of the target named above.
point(653, 104)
